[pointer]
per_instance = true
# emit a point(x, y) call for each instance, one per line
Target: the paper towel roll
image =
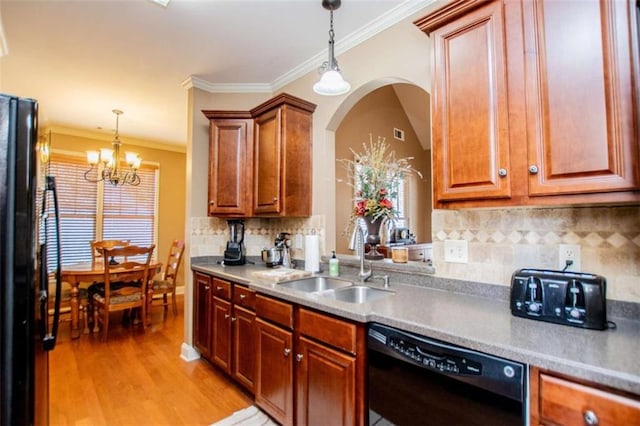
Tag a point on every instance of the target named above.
point(311, 253)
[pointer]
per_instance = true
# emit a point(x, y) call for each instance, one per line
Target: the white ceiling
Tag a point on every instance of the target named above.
point(82, 58)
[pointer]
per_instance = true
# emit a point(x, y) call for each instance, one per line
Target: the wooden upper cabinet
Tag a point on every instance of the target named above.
point(260, 161)
point(267, 167)
point(582, 126)
point(230, 160)
point(470, 114)
point(535, 102)
point(283, 157)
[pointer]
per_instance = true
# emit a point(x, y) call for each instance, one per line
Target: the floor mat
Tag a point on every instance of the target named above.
point(250, 416)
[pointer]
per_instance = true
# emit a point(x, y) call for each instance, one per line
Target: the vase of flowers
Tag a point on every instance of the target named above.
point(375, 174)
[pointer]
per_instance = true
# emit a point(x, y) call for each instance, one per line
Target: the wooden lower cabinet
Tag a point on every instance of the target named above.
point(326, 385)
point(325, 354)
point(274, 371)
point(559, 400)
point(221, 341)
point(202, 314)
point(224, 331)
point(244, 360)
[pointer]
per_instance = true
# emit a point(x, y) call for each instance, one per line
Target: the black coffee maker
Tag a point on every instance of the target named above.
point(234, 254)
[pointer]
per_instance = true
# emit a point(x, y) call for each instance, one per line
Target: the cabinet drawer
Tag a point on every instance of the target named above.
point(338, 333)
point(244, 297)
point(274, 310)
point(565, 402)
point(221, 288)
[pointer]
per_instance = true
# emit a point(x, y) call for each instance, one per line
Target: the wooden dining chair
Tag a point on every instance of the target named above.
point(124, 286)
point(165, 284)
point(98, 245)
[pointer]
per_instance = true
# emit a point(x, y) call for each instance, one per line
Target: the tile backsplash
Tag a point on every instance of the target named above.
point(209, 235)
point(501, 241)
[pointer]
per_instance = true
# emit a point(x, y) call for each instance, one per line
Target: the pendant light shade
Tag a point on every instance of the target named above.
point(331, 82)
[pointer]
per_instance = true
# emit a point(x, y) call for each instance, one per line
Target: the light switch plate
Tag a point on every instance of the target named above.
point(456, 251)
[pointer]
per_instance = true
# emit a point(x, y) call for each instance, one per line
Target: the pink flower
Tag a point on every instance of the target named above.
point(386, 203)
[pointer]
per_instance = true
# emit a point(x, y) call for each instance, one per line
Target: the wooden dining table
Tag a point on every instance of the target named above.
point(89, 272)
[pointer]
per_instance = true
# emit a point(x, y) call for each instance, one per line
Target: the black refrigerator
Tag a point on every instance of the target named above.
point(28, 223)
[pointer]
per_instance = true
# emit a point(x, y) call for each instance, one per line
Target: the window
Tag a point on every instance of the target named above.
point(96, 211)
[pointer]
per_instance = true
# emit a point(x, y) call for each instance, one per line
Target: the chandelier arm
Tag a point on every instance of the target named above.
point(87, 176)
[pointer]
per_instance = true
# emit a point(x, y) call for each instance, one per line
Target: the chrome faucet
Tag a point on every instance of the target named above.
point(364, 276)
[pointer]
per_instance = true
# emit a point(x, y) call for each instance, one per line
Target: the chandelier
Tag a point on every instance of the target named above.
point(110, 168)
point(331, 83)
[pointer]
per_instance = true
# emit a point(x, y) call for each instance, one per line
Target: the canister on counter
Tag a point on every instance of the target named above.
point(399, 254)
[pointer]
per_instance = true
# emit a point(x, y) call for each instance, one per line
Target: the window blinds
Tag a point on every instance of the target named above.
point(97, 211)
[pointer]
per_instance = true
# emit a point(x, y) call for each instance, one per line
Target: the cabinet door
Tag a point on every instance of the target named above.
point(274, 371)
point(202, 314)
point(267, 163)
point(561, 401)
point(244, 361)
point(581, 119)
point(469, 106)
point(326, 385)
point(221, 340)
point(230, 155)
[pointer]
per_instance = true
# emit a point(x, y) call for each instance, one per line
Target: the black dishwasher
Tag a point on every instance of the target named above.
point(416, 380)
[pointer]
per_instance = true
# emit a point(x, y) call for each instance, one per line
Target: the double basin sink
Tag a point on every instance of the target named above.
point(337, 289)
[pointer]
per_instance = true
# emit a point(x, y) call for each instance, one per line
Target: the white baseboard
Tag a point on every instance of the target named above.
point(189, 353)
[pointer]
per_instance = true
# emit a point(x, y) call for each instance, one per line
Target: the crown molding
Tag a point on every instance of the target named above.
point(199, 83)
point(390, 18)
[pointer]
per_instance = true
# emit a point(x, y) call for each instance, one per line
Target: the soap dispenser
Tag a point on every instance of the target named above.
point(334, 265)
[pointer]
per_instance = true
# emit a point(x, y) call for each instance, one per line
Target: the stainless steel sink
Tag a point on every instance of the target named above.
point(315, 284)
point(357, 294)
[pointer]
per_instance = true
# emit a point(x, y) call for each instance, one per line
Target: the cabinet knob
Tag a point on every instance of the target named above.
point(287, 351)
point(212, 203)
point(233, 319)
point(533, 169)
point(299, 357)
point(590, 418)
point(206, 288)
point(242, 296)
point(226, 316)
point(218, 288)
point(502, 172)
point(275, 199)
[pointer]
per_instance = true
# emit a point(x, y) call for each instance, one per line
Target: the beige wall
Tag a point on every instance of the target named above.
point(171, 197)
point(377, 114)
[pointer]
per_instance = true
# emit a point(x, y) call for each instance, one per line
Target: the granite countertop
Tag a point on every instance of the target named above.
point(477, 322)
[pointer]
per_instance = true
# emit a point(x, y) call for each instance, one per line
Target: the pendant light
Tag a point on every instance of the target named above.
point(331, 82)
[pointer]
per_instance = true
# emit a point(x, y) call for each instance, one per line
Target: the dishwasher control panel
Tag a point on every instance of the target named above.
point(428, 357)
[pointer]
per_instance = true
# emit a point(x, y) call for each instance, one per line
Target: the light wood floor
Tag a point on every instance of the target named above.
point(136, 378)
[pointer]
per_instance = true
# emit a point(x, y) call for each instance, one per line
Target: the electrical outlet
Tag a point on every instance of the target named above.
point(569, 252)
point(456, 251)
